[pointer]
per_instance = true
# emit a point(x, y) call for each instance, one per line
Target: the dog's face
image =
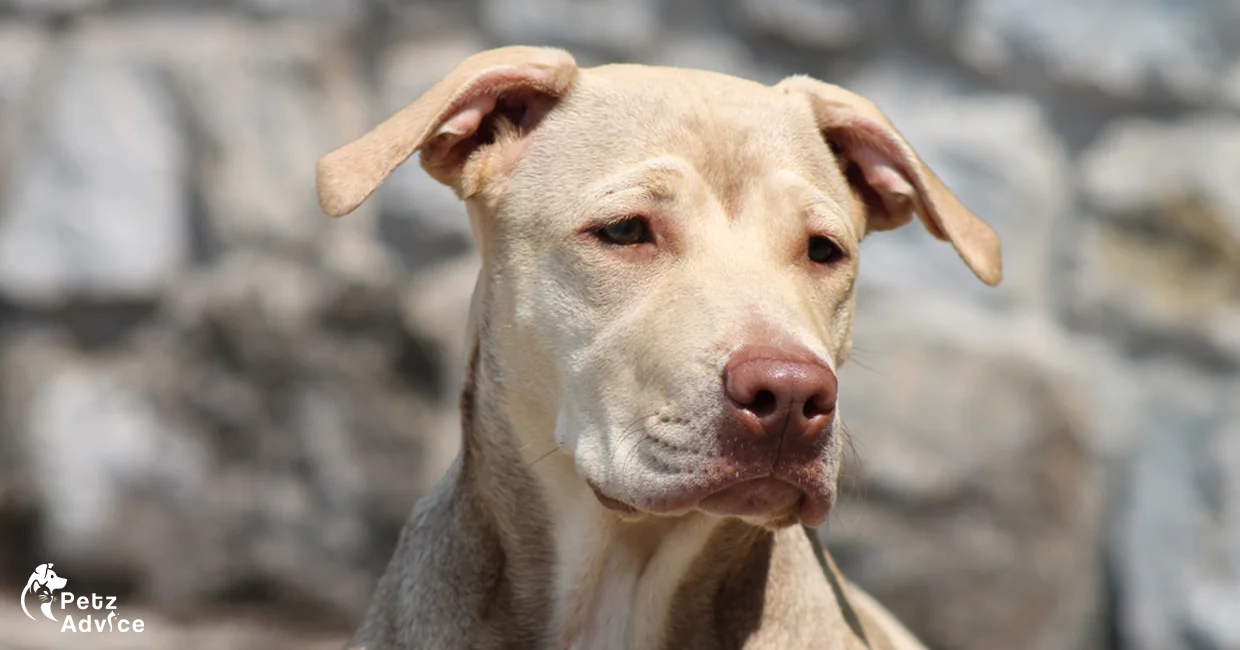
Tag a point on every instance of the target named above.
point(44, 578)
point(669, 262)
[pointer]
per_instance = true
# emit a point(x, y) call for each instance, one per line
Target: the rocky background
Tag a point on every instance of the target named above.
point(219, 405)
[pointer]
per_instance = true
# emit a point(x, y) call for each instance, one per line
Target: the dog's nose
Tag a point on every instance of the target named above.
point(781, 393)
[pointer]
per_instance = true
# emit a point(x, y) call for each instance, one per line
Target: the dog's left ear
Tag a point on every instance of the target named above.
point(469, 126)
point(891, 177)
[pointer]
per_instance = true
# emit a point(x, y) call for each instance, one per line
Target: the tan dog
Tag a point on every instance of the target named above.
point(666, 292)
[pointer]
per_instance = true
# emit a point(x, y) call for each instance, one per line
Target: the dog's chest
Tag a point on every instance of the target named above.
point(615, 593)
point(603, 617)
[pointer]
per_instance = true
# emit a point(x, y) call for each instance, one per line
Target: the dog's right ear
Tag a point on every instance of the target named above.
point(892, 178)
point(464, 125)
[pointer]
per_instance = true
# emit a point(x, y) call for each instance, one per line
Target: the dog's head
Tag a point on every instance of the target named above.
point(44, 578)
point(42, 584)
point(669, 259)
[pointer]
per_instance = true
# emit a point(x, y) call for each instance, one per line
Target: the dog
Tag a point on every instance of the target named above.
point(650, 415)
point(43, 584)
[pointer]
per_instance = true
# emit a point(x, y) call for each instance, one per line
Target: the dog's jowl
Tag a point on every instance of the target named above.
point(651, 418)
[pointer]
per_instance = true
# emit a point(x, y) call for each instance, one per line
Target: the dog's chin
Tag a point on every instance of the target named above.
point(768, 502)
point(763, 501)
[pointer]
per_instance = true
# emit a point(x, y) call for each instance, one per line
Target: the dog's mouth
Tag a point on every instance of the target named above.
point(772, 500)
point(775, 502)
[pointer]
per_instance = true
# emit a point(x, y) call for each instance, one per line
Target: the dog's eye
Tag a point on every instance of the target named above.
point(626, 232)
point(824, 251)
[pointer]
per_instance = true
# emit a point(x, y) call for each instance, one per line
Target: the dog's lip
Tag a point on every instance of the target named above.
point(807, 500)
point(612, 504)
point(759, 497)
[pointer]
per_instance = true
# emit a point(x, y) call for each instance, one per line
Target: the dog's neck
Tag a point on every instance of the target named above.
point(594, 580)
point(616, 581)
point(608, 583)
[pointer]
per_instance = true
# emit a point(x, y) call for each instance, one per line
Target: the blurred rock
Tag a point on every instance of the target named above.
point(335, 11)
point(1137, 50)
point(1177, 542)
point(52, 7)
point(1169, 208)
point(714, 53)
point(973, 477)
point(275, 388)
point(435, 307)
point(828, 24)
point(256, 105)
point(270, 438)
point(624, 26)
point(259, 101)
point(999, 155)
point(98, 207)
point(419, 217)
point(23, 48)
point(431, 19)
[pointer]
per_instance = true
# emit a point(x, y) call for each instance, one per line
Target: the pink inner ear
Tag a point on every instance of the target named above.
point(466, 121)
point(880, 172)
point(881, 168)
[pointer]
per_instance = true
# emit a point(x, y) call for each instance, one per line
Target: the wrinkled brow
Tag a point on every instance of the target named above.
point(657, 178)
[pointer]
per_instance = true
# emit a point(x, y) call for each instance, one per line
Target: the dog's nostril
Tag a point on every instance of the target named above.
point(763, 403)
point(814, 407)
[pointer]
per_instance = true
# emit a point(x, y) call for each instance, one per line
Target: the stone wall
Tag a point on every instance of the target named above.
point(211, 396)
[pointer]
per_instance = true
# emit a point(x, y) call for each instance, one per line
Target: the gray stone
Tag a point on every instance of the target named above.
point(335, 11)
point(1176, 547)
point(1139, 50)
point(263, 103)
point(273, 429)
point(431, 19)
point(714, 53)
point(972, 476)
point(45, 7)
point(23, 48)
point(266, 428)
point(259, 104)
point(419, 217)
point(89, 421)
point(1136, 163)
point(98, 207)
point(826, 24)
point(999, 155)
point(1168, 209)
point(626, 26)
point(435, 307)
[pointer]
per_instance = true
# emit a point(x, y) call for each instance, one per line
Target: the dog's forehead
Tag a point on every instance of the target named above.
point(734, 131)
point(682, 83)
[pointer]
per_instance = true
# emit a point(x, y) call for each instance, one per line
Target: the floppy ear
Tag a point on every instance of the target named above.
point(490, 101)
point(893, 180)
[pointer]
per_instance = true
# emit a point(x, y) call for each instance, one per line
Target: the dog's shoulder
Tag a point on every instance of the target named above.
point(883, 630)
point(437, 585)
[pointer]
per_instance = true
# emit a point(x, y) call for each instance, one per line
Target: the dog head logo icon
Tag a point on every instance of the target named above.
point(43, 584)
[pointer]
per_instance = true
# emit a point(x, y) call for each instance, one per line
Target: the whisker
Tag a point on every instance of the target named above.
point(629, 430)
point(867, 367)
point(633, 448)
point(862, 357)
point(852, 464)
point(545, 456)
point(867, 351)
